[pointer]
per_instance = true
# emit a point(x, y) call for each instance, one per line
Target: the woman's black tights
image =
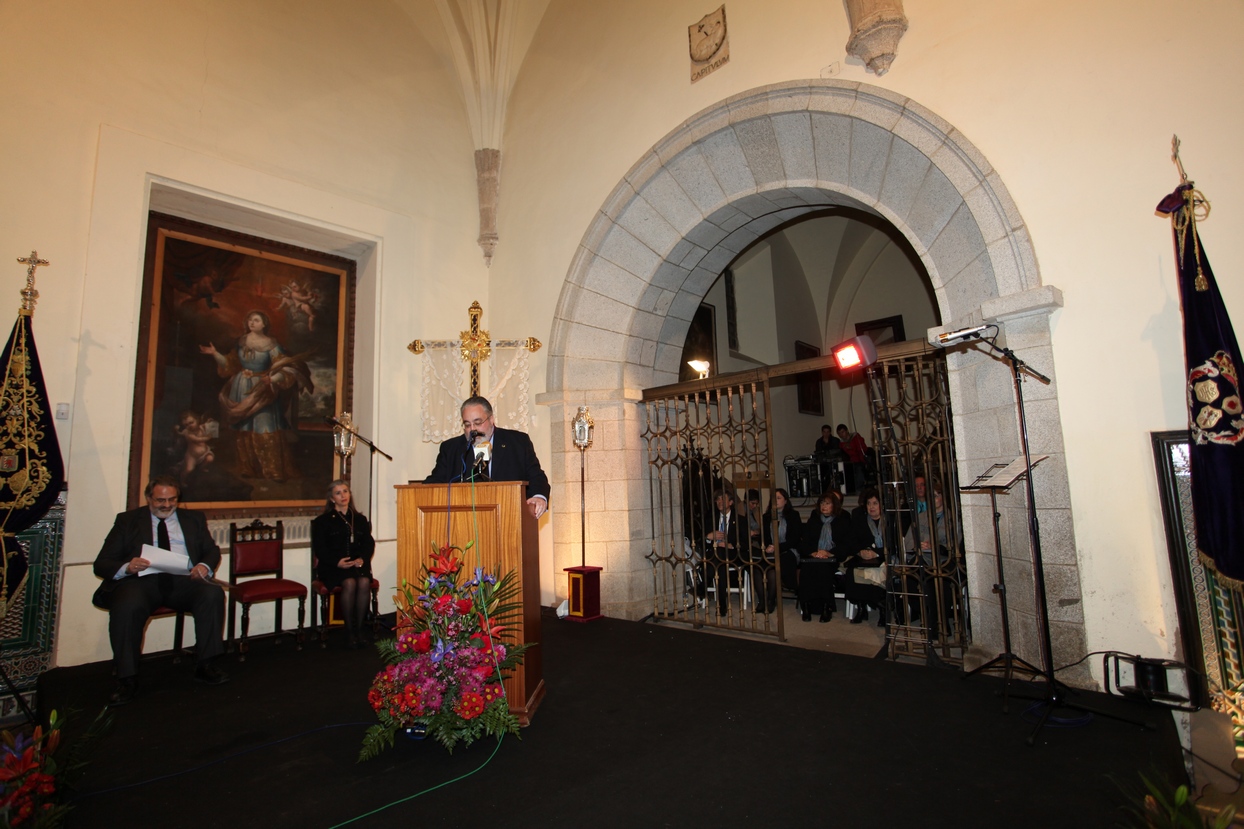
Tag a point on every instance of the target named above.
point(354, 594)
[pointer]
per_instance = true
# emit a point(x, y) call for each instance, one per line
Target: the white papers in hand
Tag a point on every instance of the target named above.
point(164, 561)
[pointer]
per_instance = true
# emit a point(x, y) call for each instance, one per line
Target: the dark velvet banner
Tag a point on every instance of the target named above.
point(1215, 414)
point(31, 470)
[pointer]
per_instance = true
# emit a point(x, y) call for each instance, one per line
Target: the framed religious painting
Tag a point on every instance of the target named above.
point(808, 385)
point(244, 350)
point(883, 331)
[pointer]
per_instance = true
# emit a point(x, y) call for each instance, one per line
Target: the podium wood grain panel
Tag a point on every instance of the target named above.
point(496, 517)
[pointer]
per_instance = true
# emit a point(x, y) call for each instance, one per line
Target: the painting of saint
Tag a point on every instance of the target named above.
point(247, 355)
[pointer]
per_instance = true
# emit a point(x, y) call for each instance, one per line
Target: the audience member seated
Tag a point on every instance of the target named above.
point(826, 444)
point(130, 598)
point(933, 546)
point(755, 535)
point(854, 447)
point(763, 573)
point(868, 532)
point(826, 452)
point(826, 536)
point(727, 546)
point(790, 531)
point(931, 536)
point(342, 545)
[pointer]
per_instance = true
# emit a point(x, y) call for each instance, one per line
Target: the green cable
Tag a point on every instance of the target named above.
point(479, 561)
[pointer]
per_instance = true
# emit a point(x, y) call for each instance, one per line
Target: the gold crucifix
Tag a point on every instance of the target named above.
point(29, 294)
point(474, 344)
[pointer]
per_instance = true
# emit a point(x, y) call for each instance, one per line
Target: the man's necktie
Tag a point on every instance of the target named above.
point(162, 536)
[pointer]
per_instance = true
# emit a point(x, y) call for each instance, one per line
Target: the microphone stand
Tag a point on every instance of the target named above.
point(1054, 692)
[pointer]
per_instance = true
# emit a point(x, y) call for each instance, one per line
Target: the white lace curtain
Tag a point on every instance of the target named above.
point(445, 387)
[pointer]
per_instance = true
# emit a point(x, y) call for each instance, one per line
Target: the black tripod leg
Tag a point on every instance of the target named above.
point(1009, 662)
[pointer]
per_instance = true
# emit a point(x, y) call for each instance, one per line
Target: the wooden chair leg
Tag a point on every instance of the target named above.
point(179, 630)
point(246, 626)
point(302, 609)
point(324, 621)
point(375, 612)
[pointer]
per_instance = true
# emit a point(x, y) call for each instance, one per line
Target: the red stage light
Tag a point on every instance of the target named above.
point(855, 353)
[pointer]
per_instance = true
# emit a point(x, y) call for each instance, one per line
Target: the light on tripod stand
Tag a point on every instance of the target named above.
point(858, 352)
point(1151, 680)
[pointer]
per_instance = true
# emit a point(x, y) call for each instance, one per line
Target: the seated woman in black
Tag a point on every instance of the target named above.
point(790, 529)
point(826, 540)
point(868, 550)
point(342, 545)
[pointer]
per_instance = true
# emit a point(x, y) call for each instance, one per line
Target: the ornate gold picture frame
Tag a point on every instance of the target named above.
point(245, 349)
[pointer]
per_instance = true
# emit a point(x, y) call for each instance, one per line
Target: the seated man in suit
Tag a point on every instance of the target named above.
point(130, 598)
point(507, 455)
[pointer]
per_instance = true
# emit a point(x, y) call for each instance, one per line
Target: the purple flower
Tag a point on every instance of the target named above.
point(441, 650)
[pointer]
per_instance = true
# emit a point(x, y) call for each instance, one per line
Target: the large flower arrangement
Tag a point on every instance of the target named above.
point(445, 668)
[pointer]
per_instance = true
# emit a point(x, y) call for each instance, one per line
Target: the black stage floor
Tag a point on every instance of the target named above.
point(642, 725)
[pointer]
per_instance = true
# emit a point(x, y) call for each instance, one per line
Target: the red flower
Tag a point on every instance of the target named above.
point(491, 630)
point(423, 642)
point(469, 706)
point(444, 563)
point(15, 767)
point(442, 603)
point(464, 606)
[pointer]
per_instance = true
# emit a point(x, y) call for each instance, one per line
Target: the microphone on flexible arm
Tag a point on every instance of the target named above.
point(950, 337)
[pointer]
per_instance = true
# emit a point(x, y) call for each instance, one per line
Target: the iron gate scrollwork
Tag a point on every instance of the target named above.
point(701, 439)
point(919, 488)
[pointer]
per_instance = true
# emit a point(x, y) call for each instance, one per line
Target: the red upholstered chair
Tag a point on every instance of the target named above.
point(256, 554)
point(322, 593)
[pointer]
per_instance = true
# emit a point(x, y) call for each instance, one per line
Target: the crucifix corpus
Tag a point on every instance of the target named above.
point(475, 344)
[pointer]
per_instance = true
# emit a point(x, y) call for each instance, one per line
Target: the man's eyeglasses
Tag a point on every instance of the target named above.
point(478, 422)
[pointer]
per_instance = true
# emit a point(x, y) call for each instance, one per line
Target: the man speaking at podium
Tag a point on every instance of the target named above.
point(487, 453)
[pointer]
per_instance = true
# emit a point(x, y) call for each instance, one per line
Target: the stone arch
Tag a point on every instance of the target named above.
point(721, 180)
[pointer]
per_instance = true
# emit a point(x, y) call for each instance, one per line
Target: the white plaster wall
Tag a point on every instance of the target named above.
point(1073, 106)
point(335, 122)
point(345, 115)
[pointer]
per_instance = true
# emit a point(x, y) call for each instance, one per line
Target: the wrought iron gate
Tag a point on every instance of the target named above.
point(927, 595)
point(708, 435)
point(703, 437)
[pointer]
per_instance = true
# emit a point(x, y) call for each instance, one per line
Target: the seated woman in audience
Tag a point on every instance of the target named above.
point(826, 541)
point(932, 553)
point(342, 545)
point(868, 550)
point(790, 528)
point(932, 529)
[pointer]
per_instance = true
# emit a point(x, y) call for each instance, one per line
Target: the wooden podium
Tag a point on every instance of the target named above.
point(508, 540)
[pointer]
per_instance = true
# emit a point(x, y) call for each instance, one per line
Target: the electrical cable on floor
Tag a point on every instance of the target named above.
point(1033, 715)
point(479, 563)
point(1081, 659)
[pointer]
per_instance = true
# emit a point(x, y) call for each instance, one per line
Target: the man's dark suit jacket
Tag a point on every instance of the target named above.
point(131, 530)
point(740, 546)
point(513, 459)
